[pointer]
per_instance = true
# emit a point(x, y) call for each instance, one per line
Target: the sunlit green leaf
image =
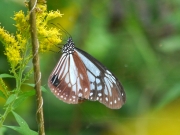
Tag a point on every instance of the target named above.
point(23, 97)
point(33, 85)
point(24, 128)
point(10, 99)
point(6, 76)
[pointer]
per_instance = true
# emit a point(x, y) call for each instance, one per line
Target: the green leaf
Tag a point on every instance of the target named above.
point(30, 84)
point(23, 97)
point(33, 85)
point(24, 128)
point(6, 76)
point(10, 99)
point(2, 95)
point(44, 89)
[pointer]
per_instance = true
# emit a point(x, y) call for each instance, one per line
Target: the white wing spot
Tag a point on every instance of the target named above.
point(67, 78)
point(91, 97)
point(65, 98)
point(86, 89)
point(61, 96)
point(80, 94)
point(111, 103)
point(122, 94)
point(55, 91)
point(99, 87)
point(97, 80)
point(99, 94)
point(70, 99)
point(97, 98)
point(81, 76)
point(108, 72)
point(74, 88)
point(118, 99)
point(106, 99)
point(73, 96)
point(69, 85)
point(92, 86)
point(91, 94)
point(115, 101)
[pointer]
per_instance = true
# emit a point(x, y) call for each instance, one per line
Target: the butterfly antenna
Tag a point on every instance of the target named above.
point(62, 29)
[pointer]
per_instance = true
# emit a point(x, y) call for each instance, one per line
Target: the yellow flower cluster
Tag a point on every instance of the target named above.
point(48, 37)
point(22, 23)
point(12, 49)
point(13, 55)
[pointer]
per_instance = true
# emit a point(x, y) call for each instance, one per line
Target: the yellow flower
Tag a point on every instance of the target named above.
point(13, 55)
point(22, 41)
point(12, 49)
point(48, 37)
point(52, 15)
point(22, 23)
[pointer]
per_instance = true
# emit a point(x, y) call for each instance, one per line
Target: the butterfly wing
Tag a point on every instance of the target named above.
point(69, 81)
point(104, 86)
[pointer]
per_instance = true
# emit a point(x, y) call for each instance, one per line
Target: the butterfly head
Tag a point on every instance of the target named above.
point(68, 48)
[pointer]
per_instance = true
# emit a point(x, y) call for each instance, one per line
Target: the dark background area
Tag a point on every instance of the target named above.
point(139, 41)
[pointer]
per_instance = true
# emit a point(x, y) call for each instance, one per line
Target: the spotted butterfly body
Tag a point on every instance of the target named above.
point(78, 76)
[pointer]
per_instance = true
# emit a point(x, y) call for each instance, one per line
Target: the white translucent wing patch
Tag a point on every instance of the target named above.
point(104, 86)
point(69, 81)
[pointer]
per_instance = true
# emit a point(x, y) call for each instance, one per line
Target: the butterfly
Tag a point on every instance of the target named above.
point(78, 77)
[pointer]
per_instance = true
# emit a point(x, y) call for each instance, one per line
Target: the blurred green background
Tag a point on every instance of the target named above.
point(139, 41)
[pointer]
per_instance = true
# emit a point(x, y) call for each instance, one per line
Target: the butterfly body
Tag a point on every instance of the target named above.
point(78, 76)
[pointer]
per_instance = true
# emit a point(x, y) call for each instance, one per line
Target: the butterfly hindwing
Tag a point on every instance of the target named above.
point(104, 86)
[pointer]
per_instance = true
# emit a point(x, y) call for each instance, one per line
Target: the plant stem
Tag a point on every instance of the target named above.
point(37, 73)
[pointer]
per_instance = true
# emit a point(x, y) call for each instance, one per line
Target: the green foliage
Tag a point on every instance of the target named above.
point(23, 128)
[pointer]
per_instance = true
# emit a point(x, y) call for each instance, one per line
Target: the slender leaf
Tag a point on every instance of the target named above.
point(33, 85)
point(24, 128)
point(6, 76)
point(44, 89)
point(23, 97)
point(10, 99)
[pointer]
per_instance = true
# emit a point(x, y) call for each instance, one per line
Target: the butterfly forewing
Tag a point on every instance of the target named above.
point(69, 81)
point(104, 86)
